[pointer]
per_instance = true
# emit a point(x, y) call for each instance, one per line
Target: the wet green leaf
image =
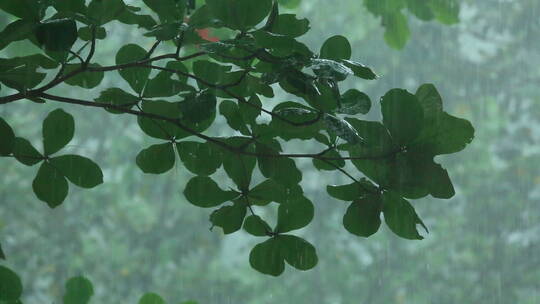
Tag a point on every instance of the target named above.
point(25, 153)
point(58, 130)
point(240, 14)
point(400, 216)
point(402, 115)
point(57, 34)
point(79, 170)
point(203, 192)
point(79, 290)
point(135, 76)
point(363, 217)
point(8, 138)
point(50, 185)
point(294, 214)
point(336, 48)
point(151, 298)
point(10, 285)
point(229, 218)
point(256, 226)
point(199, 158)
point(156, 159)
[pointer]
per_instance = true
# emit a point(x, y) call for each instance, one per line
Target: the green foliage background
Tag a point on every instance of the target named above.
point(136, 233)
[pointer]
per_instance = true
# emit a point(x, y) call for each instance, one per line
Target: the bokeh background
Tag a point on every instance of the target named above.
point(137, 233)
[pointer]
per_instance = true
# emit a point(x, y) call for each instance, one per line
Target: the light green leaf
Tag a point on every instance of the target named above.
point(58, 130)
point(397, 31)
point(151, 298)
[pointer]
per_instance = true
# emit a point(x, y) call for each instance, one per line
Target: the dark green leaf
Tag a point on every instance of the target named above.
point(156, 159)
point(400, 216)
point(101, 12)
point(158, 128)
point(282, 170)
point(10, 285)
point(87, 80)
point(164, 84)
point(117, 97)
point(377, 140)
point(330, 164)
point(203, 192)
point(354, 102)
point(24, 9)
point(199, 158)
point(58, 130)
point(2, 254)
point(348, 192)
point(272, 191)
point(363, 217)
point(57, 34)
point(135, 76)
point(79, 170)
point(336, 48)
point(402, 115)
point(229, 218)
point(231, 111)
point(151, 298)
point(237, 166)
point(298, 253)
point(294, 214)
point(8, 138)
point(199, 107)
point(25, 153)
point(267, 257)
point(240, 14)
point(50, 185)
point(256, 226)
point(288, 24)
point(165, 32)
point(169, 11)
point(79, 290)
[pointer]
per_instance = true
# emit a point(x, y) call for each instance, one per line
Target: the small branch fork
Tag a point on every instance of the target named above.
point(146, 62)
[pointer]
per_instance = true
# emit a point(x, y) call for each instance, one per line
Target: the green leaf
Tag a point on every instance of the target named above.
point(168, 10)
point(402, 115)
point(151, 298)
point(421, 9)
point(199, 107)
point(163, 85)
point(50, 185)
point(237, 166)
point(8, 138)
point(231, 111)
point(354, 102)
point(24, 9)
point(267, 257)
point(363, 217)
point(282, 170)
point(85, 33)
point(341, 128)
point(10, 285)
point(375, 136)
point(294, 214)
point(25, 153)
point(79, 290)
point(158, 128)
point(272, 191)
point(101, 12)
point(397, 30)
point(16, 31)
point(229, 218)
point(87, 80)
point(256, 226)
point(199, 158)
point(250, 113)
point(164, 32)
point(400, 216)
point(329, 165)
point(2, 254)
point(280, 45)
point(57, 34)
point(72, 6)
point(79, 170)
point(117, 97)
point(446, 11)
point(289, 25)
point(360, 70)
point(336, 48)
point(240, 14)
point(349, 192)
point(298, 253)
point(58, 130)
point(156, 159)
point(135, 76)
point(203, 192)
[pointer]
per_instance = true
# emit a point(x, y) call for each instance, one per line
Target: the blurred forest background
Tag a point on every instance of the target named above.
point(137, 233)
